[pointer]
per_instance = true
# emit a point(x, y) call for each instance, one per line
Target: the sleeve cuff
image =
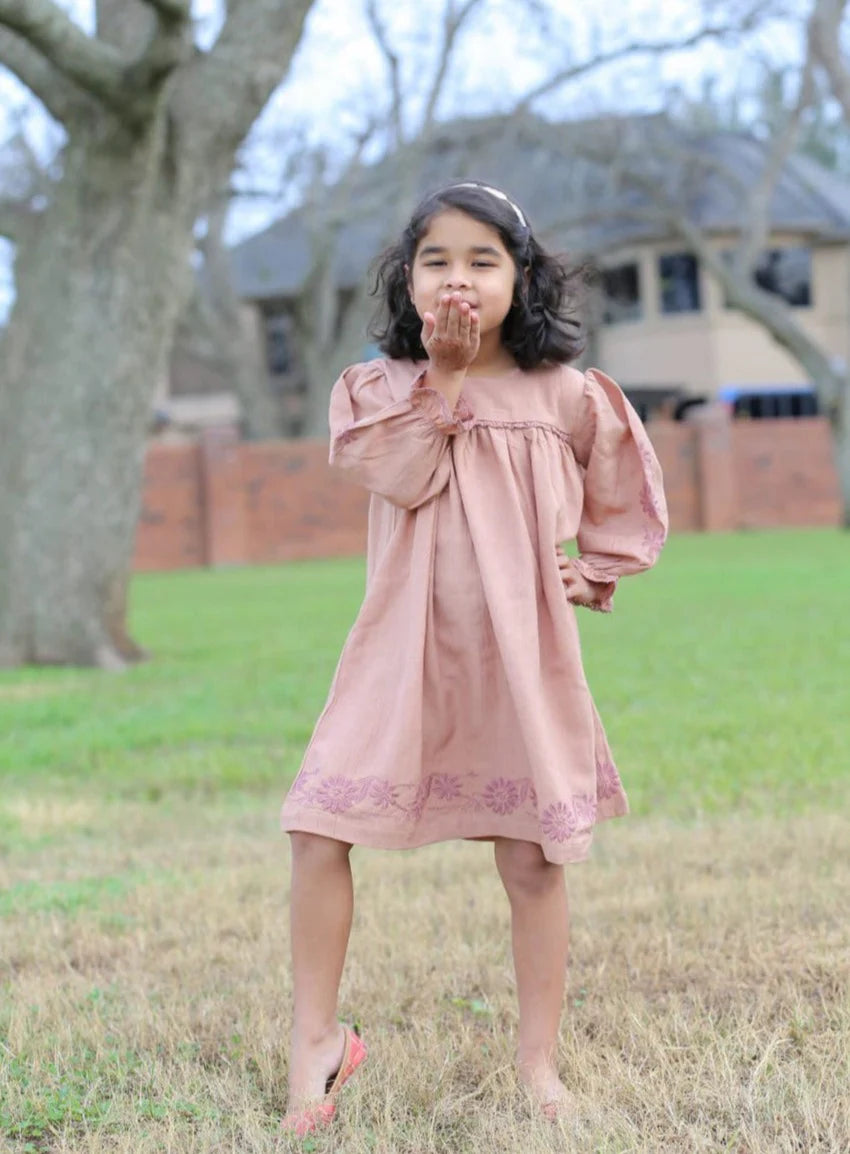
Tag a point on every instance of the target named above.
point(605, 586)
point(432, 404)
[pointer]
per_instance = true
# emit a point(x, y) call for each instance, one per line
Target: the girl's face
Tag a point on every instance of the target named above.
point(457, 253)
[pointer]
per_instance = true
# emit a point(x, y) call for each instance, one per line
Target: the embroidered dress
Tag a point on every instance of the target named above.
point(459, 707)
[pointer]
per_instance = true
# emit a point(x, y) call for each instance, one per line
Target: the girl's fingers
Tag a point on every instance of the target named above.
point(453, 321)
point(442, 315)
point(429, 323)
point(575, 586)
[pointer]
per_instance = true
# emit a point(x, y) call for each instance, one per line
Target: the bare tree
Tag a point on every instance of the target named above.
point(668, 173)
point(830, 375)
point(152, 127)
point(330, 325)
point(665, 171)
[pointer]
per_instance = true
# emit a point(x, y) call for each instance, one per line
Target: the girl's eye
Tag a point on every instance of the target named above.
point(434, 263)
point(483, 264)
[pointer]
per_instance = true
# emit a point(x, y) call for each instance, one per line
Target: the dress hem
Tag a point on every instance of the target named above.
point(570, 852)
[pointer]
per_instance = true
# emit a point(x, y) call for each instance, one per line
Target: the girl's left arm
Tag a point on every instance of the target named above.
point(624, 517)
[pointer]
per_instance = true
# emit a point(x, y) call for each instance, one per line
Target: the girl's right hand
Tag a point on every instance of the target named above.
point(579, 590)
point(452, 337)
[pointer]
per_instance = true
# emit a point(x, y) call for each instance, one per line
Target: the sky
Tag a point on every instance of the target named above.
point(334, 82)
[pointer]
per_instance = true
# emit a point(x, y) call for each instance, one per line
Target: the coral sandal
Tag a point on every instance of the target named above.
point(311, 1118)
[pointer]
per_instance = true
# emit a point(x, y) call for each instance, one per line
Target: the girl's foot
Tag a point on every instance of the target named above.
point(309, 1108)
point(546, 1089)
point(312, 1065)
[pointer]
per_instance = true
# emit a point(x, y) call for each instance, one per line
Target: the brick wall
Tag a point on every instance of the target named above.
point(296, 506)
point(226, 502)
point(676, 447)
point(171, 533)
point(784, 476)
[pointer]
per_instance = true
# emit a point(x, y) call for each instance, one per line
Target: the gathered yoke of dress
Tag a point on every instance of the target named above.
point(459, 707)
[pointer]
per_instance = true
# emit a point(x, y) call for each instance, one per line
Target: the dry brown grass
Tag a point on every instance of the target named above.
point(707, 1008)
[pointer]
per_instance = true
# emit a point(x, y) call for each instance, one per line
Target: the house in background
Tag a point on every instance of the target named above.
point(662, 327)
point(666, 322)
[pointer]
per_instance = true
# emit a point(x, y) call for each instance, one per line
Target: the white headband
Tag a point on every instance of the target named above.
point(495, 192)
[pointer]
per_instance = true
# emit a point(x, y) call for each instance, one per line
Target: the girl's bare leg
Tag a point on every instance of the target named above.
point(321, 908)
point(537, 894)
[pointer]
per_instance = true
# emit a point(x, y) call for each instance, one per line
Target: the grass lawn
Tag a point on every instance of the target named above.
point(143, 938)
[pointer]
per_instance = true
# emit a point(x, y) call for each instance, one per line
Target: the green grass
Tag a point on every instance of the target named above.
point(143, 981)
point(69, 896)
point(719, 678)
point(242, 660)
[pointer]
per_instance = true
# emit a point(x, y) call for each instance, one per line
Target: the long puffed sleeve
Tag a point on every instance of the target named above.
point(624, 517)
point(398, 449)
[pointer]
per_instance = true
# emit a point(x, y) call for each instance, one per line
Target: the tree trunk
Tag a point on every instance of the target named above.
point(237, 335)
point(99, 292)
point(840, 425)
point(75, 394)
point(324, 359)
point(261, 415)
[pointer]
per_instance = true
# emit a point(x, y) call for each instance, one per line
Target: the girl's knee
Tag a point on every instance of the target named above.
point(314, 849)
point(524, 870)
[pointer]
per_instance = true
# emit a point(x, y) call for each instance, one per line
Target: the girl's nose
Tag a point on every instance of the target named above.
point(457, 280)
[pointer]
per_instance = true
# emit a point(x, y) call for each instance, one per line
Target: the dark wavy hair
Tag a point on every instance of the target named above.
point(542, 326)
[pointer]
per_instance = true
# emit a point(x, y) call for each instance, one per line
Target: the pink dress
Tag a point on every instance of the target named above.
point(459, 707)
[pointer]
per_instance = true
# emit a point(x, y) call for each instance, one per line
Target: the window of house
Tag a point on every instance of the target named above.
point(786, 272)
point(621, 290)
point(278, 354)
point(781, 401)
point(678, 275)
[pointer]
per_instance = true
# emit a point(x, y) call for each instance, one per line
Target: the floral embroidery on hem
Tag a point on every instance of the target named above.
point(608, 782)
point(442, 792)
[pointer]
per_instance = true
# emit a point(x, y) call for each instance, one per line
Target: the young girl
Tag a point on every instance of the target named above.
point(459, 708)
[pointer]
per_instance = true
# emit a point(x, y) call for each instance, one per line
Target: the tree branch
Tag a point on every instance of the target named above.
point(57, 95)
point(167, 50)
point(634, 48)
point(92, 65)
point(781, 147)
point(825, 44)
point(226, 89)
point(452, 24)
point(393, 67)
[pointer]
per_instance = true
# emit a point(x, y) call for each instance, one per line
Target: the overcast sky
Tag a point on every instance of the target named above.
point(335, 79)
